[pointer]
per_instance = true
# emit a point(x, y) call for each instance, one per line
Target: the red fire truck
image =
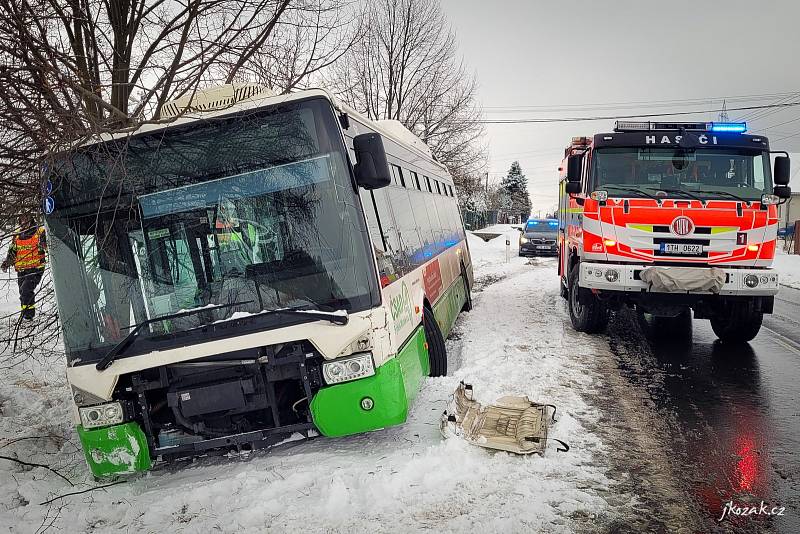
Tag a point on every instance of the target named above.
point(668, 218)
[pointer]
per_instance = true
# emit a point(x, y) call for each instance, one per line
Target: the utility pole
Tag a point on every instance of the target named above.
point(723, 115)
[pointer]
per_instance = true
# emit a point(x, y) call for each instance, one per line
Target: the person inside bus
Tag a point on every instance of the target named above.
point(28, 255)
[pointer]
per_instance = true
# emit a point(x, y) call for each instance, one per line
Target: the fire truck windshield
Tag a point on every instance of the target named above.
point(702, 173)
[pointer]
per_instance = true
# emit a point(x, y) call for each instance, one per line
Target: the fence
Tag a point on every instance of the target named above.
point(475, 220)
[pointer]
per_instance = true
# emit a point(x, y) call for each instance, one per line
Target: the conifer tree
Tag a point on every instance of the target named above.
point(514, 188)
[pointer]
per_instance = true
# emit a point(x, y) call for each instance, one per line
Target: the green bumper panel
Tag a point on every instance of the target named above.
point(337, 409)
point(115, 449)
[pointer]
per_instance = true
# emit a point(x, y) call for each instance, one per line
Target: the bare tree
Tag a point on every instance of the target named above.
point(70, 69)
point(406, 67)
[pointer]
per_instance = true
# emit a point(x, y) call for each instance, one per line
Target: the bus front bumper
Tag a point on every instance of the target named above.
point(626, 278)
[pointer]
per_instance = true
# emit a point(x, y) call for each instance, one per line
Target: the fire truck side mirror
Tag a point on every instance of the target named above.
point(782, 191)
point(573, 188)
point(574, 169)
point(782, 170)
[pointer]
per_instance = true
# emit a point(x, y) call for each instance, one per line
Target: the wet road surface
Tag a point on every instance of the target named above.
point(720, 424)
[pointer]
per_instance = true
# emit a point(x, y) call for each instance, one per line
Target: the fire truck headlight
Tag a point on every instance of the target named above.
point(764, 279)
point(751, 281)
point(600, 196)
point(101, 415)
point(612, 275)
point(770, 200)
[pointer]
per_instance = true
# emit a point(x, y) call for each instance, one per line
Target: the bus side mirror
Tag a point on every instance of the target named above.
point(782, 170)
point(371, 168)
point(573, 188)
point(574, 169)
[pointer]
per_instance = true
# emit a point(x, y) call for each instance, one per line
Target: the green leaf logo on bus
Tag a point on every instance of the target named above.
point(400, 306)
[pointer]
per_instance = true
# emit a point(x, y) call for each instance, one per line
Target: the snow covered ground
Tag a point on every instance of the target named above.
point(789, 267)
point(517, 340)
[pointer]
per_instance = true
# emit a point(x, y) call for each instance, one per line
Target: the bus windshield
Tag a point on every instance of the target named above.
point(254, 212)
point(696, 173)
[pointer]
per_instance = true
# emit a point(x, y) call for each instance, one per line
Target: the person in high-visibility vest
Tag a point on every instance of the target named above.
point(28, 254)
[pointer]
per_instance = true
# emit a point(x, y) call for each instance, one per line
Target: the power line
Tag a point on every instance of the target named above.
point(652, 103)
point(643, 115)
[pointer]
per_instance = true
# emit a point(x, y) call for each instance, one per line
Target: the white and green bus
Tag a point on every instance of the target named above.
point(259, 266)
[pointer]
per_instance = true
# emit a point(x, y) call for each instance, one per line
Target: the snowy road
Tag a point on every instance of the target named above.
point(660, 438)
point(516, 341)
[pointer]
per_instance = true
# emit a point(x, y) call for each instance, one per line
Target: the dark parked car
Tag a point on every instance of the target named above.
point(538, 237)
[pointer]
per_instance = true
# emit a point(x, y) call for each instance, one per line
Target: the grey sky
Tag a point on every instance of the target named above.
point(550, 53)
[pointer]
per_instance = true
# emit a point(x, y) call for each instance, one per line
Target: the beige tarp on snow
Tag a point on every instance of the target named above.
point(683, 279)
point(513, 423)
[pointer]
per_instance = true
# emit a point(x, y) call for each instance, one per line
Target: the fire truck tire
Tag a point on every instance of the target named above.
point(590, 317)
point(437, 353)
point(737, 323)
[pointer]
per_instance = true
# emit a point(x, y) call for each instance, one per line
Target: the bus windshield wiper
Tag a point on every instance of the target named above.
point(729, 195)
point(117, 349)
point(314, 315)
point(633, 190)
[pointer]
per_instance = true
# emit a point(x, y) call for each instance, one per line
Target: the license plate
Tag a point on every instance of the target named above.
point(543, 247)
point(681, 249)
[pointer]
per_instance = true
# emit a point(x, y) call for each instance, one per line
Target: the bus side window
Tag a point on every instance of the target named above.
point(390, 259)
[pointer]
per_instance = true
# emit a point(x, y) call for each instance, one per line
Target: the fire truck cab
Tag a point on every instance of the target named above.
point(667, 218)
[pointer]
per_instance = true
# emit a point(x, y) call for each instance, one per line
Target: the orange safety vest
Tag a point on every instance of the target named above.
point(29, 252)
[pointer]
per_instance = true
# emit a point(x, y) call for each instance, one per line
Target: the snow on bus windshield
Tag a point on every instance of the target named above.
point(258, 211)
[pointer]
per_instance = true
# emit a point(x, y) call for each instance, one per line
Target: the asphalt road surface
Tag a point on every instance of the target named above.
point(711, 424)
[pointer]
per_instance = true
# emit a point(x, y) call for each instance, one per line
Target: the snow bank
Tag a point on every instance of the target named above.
point(788, 265)
point(403, 479)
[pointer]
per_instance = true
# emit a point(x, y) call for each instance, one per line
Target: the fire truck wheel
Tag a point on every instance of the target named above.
point(590, 317)
point(437, 353)
point(737, 323)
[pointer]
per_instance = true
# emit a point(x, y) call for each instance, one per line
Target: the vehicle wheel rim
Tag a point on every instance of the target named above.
point(577, 307)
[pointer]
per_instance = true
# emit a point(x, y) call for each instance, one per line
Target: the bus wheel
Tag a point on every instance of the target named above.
point(591, 316)
point(468, 291)
point(437, 353)
point(737, 322)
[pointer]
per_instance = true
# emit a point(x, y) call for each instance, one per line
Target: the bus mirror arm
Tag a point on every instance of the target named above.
point(371, 168)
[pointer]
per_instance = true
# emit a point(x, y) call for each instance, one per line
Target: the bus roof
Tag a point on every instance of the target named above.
point(385, 128)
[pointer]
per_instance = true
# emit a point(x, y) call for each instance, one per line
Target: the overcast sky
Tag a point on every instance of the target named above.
point(555, 54)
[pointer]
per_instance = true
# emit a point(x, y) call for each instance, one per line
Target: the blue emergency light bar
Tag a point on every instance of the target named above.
point(737, 127)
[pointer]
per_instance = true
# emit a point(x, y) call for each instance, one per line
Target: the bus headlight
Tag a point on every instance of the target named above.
point(102, 415)
point(350, 368)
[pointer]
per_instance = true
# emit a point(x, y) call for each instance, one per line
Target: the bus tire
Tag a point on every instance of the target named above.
point(467, 291)
point(738, 322)
point(437, 353)
point(590, 317)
